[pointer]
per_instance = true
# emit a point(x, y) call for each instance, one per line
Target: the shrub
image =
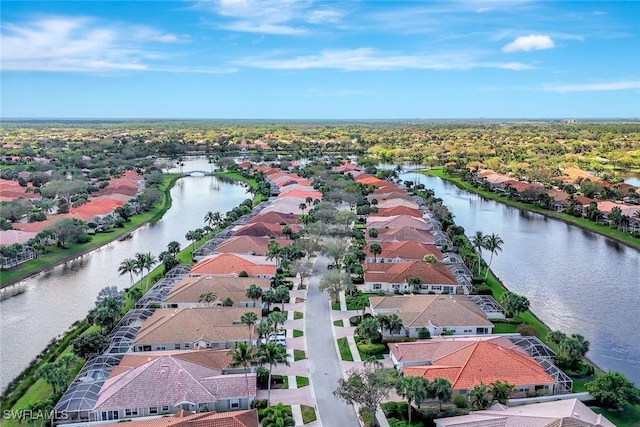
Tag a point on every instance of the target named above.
point(528, 330)
point(460, 401)
point(423, 334)
point(243, 274)
point(354, 320)
point(482, 290)
point(259, 404)
point(431, 413)
point(372, 349)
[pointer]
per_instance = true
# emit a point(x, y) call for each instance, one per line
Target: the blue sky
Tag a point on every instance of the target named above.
point(320, 59)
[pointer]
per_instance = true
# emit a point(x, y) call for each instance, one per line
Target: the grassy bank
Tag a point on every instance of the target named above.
point(57, 256)
point(620, 236)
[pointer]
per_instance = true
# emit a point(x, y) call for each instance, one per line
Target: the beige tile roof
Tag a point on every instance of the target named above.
point(403, 234)
point(230, 264)
point(391, 203)
point(244, 245)
point(400, 272)
point(408, 250)
point(437, 310)
point(189, 325)
point(396, 221)
point(189, 289)
point(169, 379)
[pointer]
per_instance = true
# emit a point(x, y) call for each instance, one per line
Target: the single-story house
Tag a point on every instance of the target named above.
point(396, 221)
point(439, 314)
point(163, 383)
point(248, 245)
point(188, 292)
point(402, 234)
point(263, 229)
point(399, 210)
point(187, 328)
point(408, 250)
point(391, 277)
point(391, 203)
point(469, 361)
point(569, 412)
point(232, 265)
point(245, 418)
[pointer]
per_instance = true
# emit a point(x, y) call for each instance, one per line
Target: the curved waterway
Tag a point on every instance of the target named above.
point(56, 299)
point(576, 281)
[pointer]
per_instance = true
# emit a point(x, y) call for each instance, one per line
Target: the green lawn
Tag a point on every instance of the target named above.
point(308, 414)
point(284, 378)
point(299, 355)
point(345, 352)
point(297, 333)
point(504, 328)
point(605, 230)
point(301, 381)
point(298, 315)
point(335, 306)
point(338, 323)
point(630, 417)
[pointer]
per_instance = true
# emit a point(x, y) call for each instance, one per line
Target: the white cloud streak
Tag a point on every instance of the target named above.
point(593, 87)
point(530, 42)
point(368, 59)
point(79, 44)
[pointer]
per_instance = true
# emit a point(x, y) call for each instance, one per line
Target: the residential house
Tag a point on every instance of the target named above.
point(187, 328)
point(470, 361)
point(155, 384)
point(188, 292)
point(569, 412)
point(391, 277)
point(246, 418)
point(248, 245)
point(399, 210)
point(396, 221)
point(232, 265)
point(391, 203)
point(407, 250)
point(402, 234)
point(439, 314)
point(276, 218)
point(263, 229)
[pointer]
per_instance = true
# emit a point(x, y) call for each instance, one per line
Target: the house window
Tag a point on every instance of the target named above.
point(165, 409)
point(161, 347)
point(146, 348)
point(153, 410)
point(177, 347)
point(463, 391)
point(467, 331)
point(186, 345)
point(234, 404)
point(395, 286)
point(448, 290)
point(436, 287)
point(131, 412)
point(377, 286)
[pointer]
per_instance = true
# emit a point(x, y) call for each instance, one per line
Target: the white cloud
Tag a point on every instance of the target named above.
point(593, 87)
point(530, 42)
point(82, 44)
point(322, 16)
point(368, 59)
point(264, 28)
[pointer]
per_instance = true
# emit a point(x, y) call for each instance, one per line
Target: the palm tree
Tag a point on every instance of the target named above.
point(277, 318)
point(254, 293)
point(272, 354)
point(249, 318)
point(207, 298)
point(173, 247)
point(501, 391)
point(269, 297)
point(282, 294)
point(242, 356)
point(394, 324)
point(441, 390)
point(478, 241)
point(413, 389)
point(264, 329)
point(212, 219)
point(128, 266)
point(375, 250)
point(415, 282)
point(493, 243)
point(145, 261)
point(480, 397)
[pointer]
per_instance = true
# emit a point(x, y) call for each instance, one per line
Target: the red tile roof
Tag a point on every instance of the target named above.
point(403, 234)
point(230, 264)
point(408, 250)
point(263, 229)
point(400, 272)
point(303, 194)
point(399, 210)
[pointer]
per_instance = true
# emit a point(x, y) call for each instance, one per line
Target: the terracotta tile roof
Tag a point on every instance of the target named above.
point(189, 325)
point(169, 379)
point(408, 250)
point(402, 234)
point(345, 167)
point(396, 221)
point(230, 264)
point(437, 310)
point(276, 218)
point(9, 237)
point(369, 180)
point(388, 195)
point(399, 210)
point(189, 289)
point(35, 227)
point(301, 194)
point(483, 362)
point(263, 229)
point(244, 245)
point(97, 207)
point(399, 272)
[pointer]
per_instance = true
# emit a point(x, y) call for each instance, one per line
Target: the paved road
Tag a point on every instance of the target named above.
point(324, 364)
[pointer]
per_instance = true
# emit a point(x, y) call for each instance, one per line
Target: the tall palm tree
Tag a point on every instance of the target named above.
point(207, 298)
point(413, 389)
point(493, 243)
point(249, 318)
point(145, 261)
point(254, 293)
point(478, 241)
point(272, 354)
point(212, 219)
point(241, 357)
point(128, 266)
point(441, 390)
point(395, 324)
point(173, 247)
point(375, 250)
point(282, 294)
point(277, 318)
point(480, 397)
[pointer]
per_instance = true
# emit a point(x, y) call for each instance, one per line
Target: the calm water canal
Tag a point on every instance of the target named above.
point(57, 298)
point(576, 281)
